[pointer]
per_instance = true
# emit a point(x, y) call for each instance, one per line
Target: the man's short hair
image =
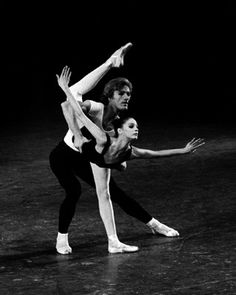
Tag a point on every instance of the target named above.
point(112, 85)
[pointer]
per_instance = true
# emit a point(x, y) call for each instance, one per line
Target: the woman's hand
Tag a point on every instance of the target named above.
point(193, 145)
point(64, 79)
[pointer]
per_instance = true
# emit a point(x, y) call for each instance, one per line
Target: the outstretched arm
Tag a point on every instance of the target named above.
point(138, 153)
point(91, 80)
point(63, 81)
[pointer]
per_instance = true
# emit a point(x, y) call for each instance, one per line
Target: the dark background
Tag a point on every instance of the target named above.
point(183, 58)
point(183, 61)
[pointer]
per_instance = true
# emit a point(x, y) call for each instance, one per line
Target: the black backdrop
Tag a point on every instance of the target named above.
point(183, 58)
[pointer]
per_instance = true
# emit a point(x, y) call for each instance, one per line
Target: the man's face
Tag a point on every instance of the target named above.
point(121, 98)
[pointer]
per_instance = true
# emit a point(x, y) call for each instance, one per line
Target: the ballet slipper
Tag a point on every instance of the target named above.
point(117, 58)
point(118, 247)
point(62, 244)
point(160, 228)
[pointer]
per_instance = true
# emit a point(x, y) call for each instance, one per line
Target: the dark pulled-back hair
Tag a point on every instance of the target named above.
point(120, 121)
point(112, 85)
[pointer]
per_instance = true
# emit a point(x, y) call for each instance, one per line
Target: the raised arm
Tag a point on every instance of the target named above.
point(63, 81)
point(138, 153)
point(90, 81)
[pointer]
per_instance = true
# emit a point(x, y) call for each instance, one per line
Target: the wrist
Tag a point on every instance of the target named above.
point(184, 151)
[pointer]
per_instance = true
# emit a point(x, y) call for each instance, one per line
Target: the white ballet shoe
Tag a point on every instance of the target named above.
point(62, 244)
point(64, 250)
point(117, 58)
point(118, 247)
point(160, 228)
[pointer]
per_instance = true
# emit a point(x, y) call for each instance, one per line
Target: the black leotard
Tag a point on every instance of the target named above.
point(93, 156)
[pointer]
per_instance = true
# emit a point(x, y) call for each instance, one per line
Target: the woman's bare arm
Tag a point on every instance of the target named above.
point(138, 153)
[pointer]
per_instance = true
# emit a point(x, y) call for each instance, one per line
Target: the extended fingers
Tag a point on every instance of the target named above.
point(192, 141)
point(196, 141)
point(68, 74)
point(65, 74)
point(199, 141)
point(63, 71)
point(198, 145)
point(67, 71)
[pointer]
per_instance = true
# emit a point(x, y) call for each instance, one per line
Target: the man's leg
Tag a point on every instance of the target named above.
point(64, 162)
point(133, 208)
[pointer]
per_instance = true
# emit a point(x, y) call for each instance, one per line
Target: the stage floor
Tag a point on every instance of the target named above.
point(194, 194)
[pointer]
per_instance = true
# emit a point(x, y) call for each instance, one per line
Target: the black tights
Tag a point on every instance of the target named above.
point(68, 165)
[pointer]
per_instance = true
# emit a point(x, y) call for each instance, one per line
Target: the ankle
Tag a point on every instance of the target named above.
point(62, 240)
point(62, 244)
point(61, 236)
point(113, 240)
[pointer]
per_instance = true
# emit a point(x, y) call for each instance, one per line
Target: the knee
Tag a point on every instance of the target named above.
point(73, 193)
point(70, 201)
point(103, 194)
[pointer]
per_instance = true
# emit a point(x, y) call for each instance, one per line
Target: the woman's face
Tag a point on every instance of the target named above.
point(130, 129)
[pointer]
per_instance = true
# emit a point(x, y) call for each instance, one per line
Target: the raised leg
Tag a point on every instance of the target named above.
point(90, 80)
